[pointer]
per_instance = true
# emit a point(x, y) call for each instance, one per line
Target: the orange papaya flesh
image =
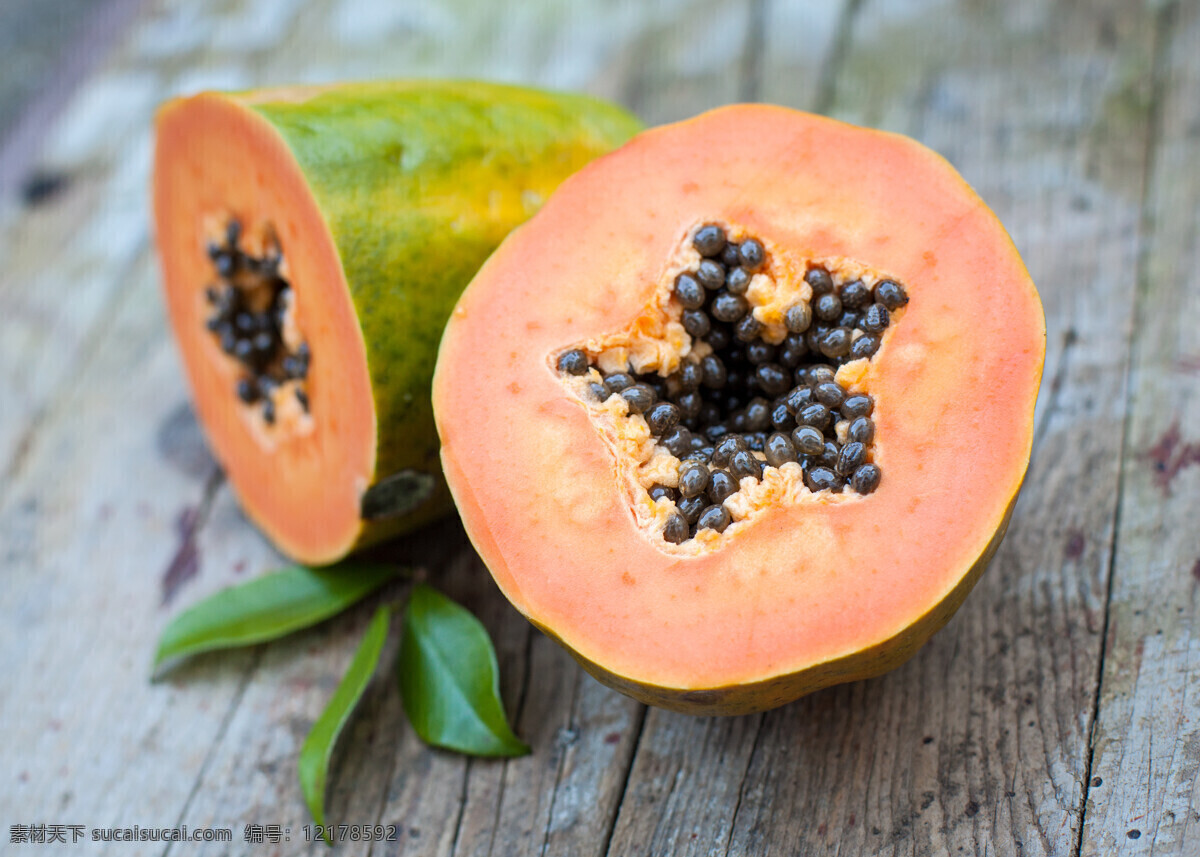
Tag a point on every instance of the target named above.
point(342, 222)
point(568, 491)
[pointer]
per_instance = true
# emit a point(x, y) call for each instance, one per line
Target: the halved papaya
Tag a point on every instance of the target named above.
point(313, 241)
point(744, 410)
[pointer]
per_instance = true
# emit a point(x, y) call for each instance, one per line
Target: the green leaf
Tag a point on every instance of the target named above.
point(450, 680)
point(266, 608)
point(318, 746)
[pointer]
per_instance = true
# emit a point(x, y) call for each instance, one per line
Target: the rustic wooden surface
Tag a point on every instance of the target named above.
point(1058, 713)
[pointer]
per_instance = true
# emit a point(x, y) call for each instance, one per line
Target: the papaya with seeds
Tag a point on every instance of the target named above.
point(743, 411)
point(313, 241)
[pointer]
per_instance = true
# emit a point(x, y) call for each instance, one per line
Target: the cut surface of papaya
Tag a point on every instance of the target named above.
point(744, 410)
point(313, 241)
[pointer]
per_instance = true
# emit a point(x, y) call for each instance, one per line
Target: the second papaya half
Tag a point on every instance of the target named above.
point(743, 411)
point(313, 241)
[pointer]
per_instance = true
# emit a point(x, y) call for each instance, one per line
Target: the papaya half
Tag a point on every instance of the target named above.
point(313, 241)
point(743, 411)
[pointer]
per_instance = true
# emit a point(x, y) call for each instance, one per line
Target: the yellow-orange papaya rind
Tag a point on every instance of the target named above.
point(770, 693)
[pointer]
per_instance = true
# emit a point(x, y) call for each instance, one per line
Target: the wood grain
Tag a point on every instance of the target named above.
point(87, 527)
point(1143, 795)
point(1075, 121)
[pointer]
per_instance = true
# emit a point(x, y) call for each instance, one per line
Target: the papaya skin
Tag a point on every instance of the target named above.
point(388, 195)
point(771, 693)
point(832, 588)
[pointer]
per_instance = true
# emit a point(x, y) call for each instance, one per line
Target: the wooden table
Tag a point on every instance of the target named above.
point(1058, 713)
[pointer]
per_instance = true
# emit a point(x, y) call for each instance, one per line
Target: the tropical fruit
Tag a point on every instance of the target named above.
point(313, 241)
point(744, 410)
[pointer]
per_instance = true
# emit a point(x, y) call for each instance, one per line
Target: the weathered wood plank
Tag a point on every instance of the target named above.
point(801, 51)
point(68, 257)
point(600, 743)
point(87, 528)
point(49, 50)
point(1044, 109)
point(686, 784)
point(61, 276)
point(978, 745)
point(1144, 791)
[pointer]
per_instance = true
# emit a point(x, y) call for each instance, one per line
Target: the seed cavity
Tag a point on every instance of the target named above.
point(250, 313)
point(738, 383)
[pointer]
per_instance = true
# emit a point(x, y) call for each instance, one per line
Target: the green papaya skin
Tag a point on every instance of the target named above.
point(418, 182)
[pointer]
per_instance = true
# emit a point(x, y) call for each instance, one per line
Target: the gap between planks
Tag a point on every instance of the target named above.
point(1163, 25)
point(251, 669)
point(637, 743)
point(830, 70)
point(750, 69)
